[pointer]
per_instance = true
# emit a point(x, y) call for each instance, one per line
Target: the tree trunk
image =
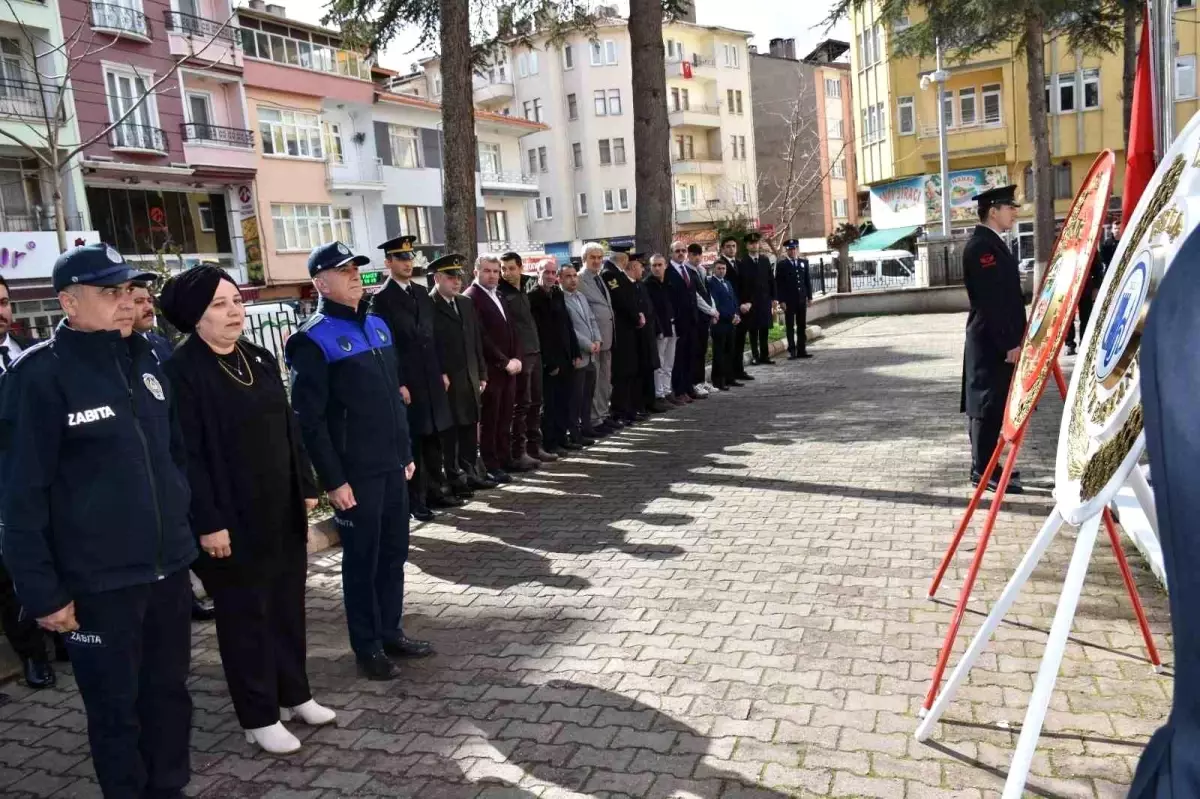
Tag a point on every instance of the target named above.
point(1039, 130)
point(844, 285)
point(651, 130)
point(1132, 15)
point(458, 129)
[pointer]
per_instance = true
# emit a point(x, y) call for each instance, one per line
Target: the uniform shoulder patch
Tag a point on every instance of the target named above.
point(311, 322)
point(34, 352)
point(612, 284)
point(987, 259)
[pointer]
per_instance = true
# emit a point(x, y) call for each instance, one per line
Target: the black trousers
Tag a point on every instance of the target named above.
point(1086, 302)
point(428, 477)
point(27, 639)
point(374, 537)
point(686, 341)
point(579, 410)
point(985, 433)
point(527, 406)
point(260, 633)
point(495, 429)
point(700, 351)
point(460, 450)
point(795, 316)
point(556, 399)
point(738, 356)
point(130, 656)
point(759, 348)
point(722, 361)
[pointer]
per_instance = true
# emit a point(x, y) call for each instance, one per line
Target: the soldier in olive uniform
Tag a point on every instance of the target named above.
point(995, 325)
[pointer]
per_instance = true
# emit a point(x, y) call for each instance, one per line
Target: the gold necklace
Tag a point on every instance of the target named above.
point(243, 364)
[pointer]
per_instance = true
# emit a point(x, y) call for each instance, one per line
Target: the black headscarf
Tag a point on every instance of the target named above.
point(185, 297)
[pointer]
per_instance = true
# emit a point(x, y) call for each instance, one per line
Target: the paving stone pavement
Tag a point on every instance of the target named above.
point(725, 602)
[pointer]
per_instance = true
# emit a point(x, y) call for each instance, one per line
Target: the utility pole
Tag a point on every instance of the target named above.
point(940, 76)
point(1166, 46)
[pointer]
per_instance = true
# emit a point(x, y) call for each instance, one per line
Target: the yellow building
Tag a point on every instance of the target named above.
point(987, 113)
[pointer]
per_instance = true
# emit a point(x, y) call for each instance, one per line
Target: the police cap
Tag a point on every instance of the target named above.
point(95, 265)
point(400, 247)
point(791, 244)
point(333, 256)
point(622, 248)
point(576, 261)
point(1001, 195)
point(753, 236)
point(640, 257)
point(450, 264)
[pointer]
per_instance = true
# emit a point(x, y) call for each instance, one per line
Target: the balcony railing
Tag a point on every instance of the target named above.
point(980, 123)
point(191, 25)
point(120, 18)
point(26, 99)
point(696, 60)
point(137, 137)
point(487, 176)
point(696, 109)
point(35, 223)
point(501, 246)
point(351, 171)
point(204, 133)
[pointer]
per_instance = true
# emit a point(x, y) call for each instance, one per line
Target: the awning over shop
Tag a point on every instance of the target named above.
point(883, 239)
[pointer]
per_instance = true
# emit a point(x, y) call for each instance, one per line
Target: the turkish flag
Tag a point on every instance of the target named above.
point(1139, 152)
point(687, 69)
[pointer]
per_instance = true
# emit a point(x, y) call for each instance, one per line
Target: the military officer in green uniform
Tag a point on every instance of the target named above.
point(995, 325)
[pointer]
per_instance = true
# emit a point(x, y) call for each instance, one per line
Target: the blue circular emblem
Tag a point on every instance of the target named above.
point(1121, 323)
point(346, 344)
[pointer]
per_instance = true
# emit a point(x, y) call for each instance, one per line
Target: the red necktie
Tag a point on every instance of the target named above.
point(687, 281)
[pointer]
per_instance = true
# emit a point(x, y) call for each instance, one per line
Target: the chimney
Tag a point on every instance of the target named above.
point(753, 48)
point(258, 5)
point(789, 48)
point(777, 48)
point(277, 10)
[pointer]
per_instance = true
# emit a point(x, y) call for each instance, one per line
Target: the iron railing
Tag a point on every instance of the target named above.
point(34, 223)
point(368, 170)
point(191, 25)
point(138, 137)
point(488, 176)
point(120, 18)
point(217, 134)
point(26, 99)
point(695, 109)
point(945, 264)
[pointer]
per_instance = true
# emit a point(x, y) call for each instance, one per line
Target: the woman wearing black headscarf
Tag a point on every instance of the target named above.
point(251, 486)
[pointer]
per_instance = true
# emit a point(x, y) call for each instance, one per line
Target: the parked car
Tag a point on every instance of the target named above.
point(882, 267)
point(1025, 267)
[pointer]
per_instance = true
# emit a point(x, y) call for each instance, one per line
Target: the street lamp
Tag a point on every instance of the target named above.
point(939, 77)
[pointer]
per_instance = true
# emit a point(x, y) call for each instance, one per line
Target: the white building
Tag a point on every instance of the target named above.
point(583, 162)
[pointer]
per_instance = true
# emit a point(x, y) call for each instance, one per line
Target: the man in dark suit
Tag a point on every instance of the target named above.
point(724, 298)
point(647, 339)
point(408, 311)
point(795, 295)
point(627, 321)
point(502, 350)
point(757, 289)
point(460, 350)
point(527, 453)
point(560, 351)
point(682, 289)
point(737, 341)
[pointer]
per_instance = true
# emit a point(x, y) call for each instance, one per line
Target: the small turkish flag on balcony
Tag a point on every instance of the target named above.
point(687, 69)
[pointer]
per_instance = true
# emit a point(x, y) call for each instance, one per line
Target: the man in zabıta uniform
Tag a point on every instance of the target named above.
point(995, 326)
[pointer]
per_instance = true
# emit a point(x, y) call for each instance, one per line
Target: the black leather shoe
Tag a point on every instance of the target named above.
point(766, 362)
point(480, 483)
point(572, 446)
point(446, 500)
point(744, 377)
point(461, 488)
point(405, 647)
point(202, 609)
point(38, 673)
point(422, 514)
point(734, 384)
point(377, 666)
point(522, 464)
point(806, 355)
point(793, 357)
point(543, 455)
point(499, 476)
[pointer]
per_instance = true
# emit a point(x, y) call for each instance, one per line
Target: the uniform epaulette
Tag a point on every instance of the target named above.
point(311, 322)
point(28, 354)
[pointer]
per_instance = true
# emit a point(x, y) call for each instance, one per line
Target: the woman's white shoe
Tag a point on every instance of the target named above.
point(274, 739)
point(310, 713)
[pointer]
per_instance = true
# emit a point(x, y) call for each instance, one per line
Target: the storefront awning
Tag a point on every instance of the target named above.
point(883, 239)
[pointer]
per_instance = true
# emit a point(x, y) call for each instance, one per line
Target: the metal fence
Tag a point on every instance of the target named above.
point(822, 278)
point(945, 264)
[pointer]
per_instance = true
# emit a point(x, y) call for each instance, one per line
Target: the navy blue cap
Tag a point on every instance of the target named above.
point(791, 243)
point(622, 248)
point(1001, 195)
point(753, 236)
point(332, 256)
point(95, 265)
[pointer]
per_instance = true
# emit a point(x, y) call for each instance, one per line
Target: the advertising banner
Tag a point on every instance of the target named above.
point(25, 256)
point(918, 200)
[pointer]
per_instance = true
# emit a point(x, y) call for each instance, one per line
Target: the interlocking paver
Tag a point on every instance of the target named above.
point(728, 601)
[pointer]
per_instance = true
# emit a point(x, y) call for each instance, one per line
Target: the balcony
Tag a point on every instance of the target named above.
point(696, 67)
point(120, 21)
point(498, 92)
point(508, 184)
point(987, 135)
point(708, 213)
point(218, 147)
point(36, 223)
point(206, 39)
point(201, 28)
point(366, 175)
point(697, 165)
point(496, 246)
point(204, 133)
point(25, 99)
point(697, 116)
point(138, 139)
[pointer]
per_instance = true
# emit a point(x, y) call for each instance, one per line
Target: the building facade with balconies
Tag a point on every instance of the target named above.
point(583, 162)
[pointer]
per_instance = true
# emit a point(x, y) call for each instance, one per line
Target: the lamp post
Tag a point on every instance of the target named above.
point(938, 79)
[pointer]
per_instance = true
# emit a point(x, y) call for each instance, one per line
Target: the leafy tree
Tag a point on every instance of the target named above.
point(970, 27)
point(469, 32)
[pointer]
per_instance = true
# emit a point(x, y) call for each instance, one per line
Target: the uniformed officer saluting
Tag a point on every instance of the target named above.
point(346, 396)
point(995, 325)
point(95, 505)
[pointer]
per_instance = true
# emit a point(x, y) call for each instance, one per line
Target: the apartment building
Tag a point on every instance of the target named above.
point(804, 135)
point(31, 41)
point(986, 113)
point(583, 161)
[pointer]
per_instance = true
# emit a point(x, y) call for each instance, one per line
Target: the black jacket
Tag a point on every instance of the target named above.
point(346, 394)
point(460, 346)
point(560, 348)
point(516, 300)
point(409, 314)
point(995, 323)
point(625, 320)
point(660, 297)
point(756, 285)
point(792, 285)
point(683, 301)
point(94, 496)
point(160, 346)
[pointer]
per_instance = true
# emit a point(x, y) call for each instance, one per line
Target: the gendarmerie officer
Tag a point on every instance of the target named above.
point(627, 320)
point(995, 325)
point(346, 397)
point(408, 311)
point(794, 292)
point(95, 507)
point(756, 286)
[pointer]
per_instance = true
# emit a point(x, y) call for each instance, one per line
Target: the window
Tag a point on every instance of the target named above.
point(581, 204)
point(437, 85)
point(876, 50)
point(610, 204)
point(742, 146)
point(568, 56)
point(680, 101)
point(841, 208)
point(902, 23)
point(1062, 182)
point(1185, 3)
point(549, 209)
point(734, 99)
point(533, 63)
point(489, 158)
point(299, 49)
point(991, 104)
point(1066, 92)
point(1185, 77)
point(290, 133)
point(333, 143)
point(732, 56)
point(301, 227)
point(674, 50)
point(414, 221)
point(623, 199)
point(533, 161)
point(538, 212)
point(684, 150)
point(343, 227)
point(204, 211)
point(835, 129)
point(880, 120)
point(948, 108)
point(871, 123)
point(597, 51)
point(527, 106)
point(739, 194)
point(541, 151)
point(905, 117)
point(605, 152)
point(833, 88)
point(577, 154)
point(406, 146)
point(838, 170)
point(618, 150)
point(687, 103)
point(614, 102)
point(685, 196)
point(572, 107)
point(610, 52)
point(140, 129)
point(537, 110)
point(599, 105)
point(1091, 89)
point(523, 65)
point(966, 107)
point(199, 104)
point(497, 225)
